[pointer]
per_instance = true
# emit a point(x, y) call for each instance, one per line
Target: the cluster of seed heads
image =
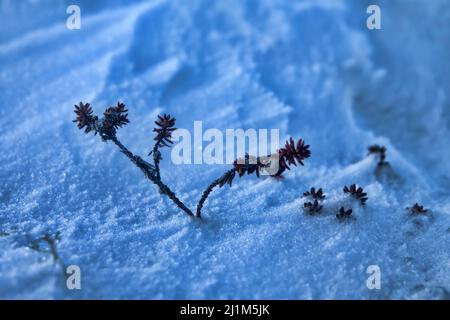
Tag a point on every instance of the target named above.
point(113, 118)
point(314, 206)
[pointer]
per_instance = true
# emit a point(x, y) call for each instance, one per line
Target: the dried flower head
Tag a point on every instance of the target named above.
point(416, 209)
point(291, 154)
point(380, 151)
point(319, 195)
point(116, 117)
point(344, 214)
point(113, 118)
point(165, 127)
point(312, 207)
point(85, 118)
point(356, 192)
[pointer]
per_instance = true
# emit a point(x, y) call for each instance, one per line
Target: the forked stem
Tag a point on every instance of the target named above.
point(151, 173)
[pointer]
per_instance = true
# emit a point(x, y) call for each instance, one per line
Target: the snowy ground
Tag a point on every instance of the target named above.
point(309, 68)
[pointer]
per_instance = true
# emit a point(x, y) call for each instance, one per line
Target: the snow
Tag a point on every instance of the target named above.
point(309, 68)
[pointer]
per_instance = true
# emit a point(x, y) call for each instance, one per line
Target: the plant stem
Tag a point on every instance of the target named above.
point(54, 252)
point(156, 159)
point(207, 192)
point(152, 174)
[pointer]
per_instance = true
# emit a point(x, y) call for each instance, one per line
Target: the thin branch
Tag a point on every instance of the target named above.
point(50, 240)
point(218, 182)
point(156, 160)
point(150, 173)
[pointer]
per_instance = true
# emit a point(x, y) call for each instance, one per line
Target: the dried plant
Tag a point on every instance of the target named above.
point(356, 192)
point(417, 209)
point(116, 117)
point(291, 154)
point(380, 151)
point(319, 195)
point(46, 244)
point(312, 207)
point(344, 214)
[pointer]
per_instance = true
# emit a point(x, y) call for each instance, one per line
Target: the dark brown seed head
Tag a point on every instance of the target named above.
point(417, 209)
point(344, 214)
point(356, 192)
point(319, 195)
point(291, 154)
point(84, 117)
point(165, 126)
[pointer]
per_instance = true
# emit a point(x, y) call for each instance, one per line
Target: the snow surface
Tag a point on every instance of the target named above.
point(309, 68)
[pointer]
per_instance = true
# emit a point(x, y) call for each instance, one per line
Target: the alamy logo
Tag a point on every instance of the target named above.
point(73, 277)
point(374, 280)
point(374, 20)
point(225, 147)
point(74, 20)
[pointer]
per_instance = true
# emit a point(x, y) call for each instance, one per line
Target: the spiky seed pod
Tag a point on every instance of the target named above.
point(85, 118)
point(115, 117)
point(319, 195)
point(165, 127)
point(416, 209)
point(312, 207)
point(291, 154)
point(356, 192)
point(344, 214)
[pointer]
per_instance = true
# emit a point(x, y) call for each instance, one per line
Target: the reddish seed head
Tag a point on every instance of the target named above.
point(84, 117)
point(165, 127)
point(115, 117)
